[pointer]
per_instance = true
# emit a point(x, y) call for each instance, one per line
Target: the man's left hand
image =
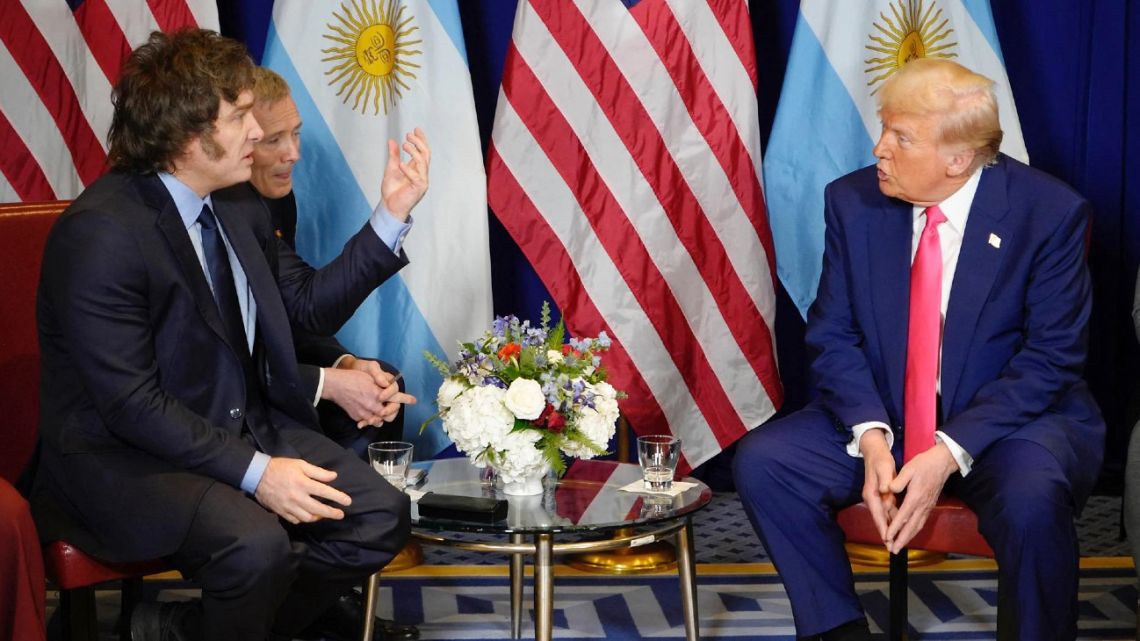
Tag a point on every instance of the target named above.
point(405, 183)
point(922, 478)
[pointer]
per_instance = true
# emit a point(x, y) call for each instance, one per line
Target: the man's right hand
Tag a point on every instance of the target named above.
point(878, 472)
point(290, 488)
point(368, 394)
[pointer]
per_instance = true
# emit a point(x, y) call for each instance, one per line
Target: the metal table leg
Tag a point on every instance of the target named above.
point(517, 571)
point(369, 622)
point(543, 587)
point(686, 571)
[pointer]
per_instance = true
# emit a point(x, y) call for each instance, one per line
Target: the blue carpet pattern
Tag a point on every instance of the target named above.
point(945, 604)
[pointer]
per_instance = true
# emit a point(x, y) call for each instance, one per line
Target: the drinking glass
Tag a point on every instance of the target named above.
point(658, 456)
point(391, 459)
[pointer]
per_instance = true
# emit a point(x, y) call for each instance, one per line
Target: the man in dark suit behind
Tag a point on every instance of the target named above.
point(172, 419)
point(346, 385)
point(986, 354)
point(346, 389)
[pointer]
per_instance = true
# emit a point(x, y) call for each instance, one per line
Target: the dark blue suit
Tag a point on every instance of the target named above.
point(150, 416)
point(1014, 343)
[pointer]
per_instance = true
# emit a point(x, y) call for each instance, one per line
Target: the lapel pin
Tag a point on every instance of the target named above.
point(995, 241)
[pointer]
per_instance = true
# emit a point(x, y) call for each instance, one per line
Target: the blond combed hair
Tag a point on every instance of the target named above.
point(268, 86)
point(963, 102)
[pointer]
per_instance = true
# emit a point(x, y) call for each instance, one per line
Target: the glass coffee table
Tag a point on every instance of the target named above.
point(579, 513)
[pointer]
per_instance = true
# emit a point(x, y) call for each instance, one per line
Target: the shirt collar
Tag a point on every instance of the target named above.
point(189, 204)
point(956, 207)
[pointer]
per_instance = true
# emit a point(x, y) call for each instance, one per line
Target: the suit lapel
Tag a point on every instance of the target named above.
point(169, 222)
point(272, 318)
point(978, 264)
point(889, 233)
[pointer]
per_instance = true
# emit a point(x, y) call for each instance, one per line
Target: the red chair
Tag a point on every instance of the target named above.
point(951, 528)
point(23, 233)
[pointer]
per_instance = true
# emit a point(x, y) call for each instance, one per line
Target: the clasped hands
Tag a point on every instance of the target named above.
point(368, 394)
point(300, 492)
point(922, 478)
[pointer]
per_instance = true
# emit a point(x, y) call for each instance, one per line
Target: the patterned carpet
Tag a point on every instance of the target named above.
point(952, 601)
point(462, 595)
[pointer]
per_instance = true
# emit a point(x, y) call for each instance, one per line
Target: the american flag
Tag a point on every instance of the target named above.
point(625, 162)
point(58, 61)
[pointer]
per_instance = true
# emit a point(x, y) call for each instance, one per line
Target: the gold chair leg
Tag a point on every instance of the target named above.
point(370, 596)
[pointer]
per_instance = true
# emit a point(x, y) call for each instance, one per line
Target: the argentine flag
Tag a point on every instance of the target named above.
point(363, 72)
point(827, 121)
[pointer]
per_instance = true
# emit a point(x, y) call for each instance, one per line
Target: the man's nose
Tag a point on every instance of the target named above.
point(255, 132)
point(879, 149)
point(292, 151)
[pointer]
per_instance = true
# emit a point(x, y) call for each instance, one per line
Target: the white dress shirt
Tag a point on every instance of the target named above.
point(956, 208)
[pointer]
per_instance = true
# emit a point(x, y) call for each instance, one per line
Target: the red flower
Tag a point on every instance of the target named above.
point(567, 350)
point(551, 419)
point(509, 350)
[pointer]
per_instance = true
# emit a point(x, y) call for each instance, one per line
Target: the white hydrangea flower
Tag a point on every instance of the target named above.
point(525, 399)
point(478, 418)
point(553, 356)
point(598, 424)
point(596, 427)
point(605, 400)
point(516, 457)
point(448, 392)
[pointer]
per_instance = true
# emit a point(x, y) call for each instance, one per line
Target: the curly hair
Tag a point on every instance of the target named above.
point(169, 92)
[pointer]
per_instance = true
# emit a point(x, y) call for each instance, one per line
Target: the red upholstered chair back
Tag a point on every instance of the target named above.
point(23, 231)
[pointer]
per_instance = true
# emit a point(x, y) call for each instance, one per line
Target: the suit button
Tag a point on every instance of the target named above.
point(235, 414)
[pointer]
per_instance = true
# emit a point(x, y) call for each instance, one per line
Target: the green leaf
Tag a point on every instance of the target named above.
point(428, 421)
point(557, 336)
point(438, 363)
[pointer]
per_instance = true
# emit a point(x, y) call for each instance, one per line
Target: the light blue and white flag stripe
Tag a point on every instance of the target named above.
point(827, 122)
point(444, 295)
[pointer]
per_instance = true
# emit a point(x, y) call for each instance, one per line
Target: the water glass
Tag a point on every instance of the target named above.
point(658, 456)
point(391, 459)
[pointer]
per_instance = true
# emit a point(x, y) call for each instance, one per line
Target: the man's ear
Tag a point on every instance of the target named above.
point(959, 161)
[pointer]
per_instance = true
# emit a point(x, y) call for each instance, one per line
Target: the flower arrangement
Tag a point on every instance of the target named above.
point(518, 399)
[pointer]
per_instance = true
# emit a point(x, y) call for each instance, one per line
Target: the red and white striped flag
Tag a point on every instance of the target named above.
point(625, 163)
point(58, 61)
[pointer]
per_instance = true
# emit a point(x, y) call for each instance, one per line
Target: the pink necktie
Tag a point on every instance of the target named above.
point(923, 340)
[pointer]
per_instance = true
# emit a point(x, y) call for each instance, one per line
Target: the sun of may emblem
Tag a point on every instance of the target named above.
point(371, 58)
point(917, 30)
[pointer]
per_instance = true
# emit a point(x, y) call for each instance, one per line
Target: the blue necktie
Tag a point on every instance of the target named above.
point(222, 278)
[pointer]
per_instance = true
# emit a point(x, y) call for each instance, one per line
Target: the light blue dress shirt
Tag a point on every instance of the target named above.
point(189, 204)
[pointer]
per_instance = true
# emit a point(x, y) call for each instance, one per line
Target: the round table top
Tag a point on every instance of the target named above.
point(588, 498)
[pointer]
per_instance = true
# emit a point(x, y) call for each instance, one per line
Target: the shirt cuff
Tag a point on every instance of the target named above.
point(859, 430)
point(254, 472)
point(961, 457)
point(388, 228)
point(320, 385)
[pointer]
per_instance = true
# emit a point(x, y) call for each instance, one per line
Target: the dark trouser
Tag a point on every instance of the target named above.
point(794, 473)
point(260, 574)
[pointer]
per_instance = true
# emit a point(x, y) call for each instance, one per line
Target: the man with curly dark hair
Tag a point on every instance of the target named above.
point(172, 417)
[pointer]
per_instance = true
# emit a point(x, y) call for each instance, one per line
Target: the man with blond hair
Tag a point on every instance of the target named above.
point(348, 391)
point(948, 335)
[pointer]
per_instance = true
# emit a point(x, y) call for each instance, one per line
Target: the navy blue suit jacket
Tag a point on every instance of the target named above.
point(143, 398)
point(1016, 327)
